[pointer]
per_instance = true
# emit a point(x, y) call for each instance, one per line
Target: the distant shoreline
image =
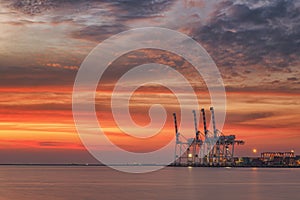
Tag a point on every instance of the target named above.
point(101, 165)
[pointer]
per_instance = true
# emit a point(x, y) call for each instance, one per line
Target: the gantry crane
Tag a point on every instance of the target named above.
point(216, 149)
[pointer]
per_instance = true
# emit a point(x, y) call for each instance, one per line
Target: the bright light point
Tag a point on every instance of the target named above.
point(190, 155)
point(254, 150)
point(292, 151)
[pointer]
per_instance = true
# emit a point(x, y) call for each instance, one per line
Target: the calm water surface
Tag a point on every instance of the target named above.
point(89, 183)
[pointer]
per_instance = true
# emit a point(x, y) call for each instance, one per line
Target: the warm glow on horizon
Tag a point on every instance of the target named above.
point(37, 121)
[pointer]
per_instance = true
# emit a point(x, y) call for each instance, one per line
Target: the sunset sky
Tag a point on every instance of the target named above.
point(255, 44)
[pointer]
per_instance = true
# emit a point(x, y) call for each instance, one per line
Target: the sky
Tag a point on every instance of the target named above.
point(254, 43)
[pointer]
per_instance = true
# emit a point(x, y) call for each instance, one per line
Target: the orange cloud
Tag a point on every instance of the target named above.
point(57, 65)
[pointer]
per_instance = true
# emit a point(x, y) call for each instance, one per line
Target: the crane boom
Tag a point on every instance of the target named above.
point(196, 125)
point(213, 121)
point(176, 128)
point(204, 121)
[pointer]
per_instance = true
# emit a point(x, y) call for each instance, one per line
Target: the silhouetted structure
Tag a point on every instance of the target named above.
point(205, 149)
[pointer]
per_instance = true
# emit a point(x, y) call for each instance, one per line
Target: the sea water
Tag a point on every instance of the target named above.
point(91, 183)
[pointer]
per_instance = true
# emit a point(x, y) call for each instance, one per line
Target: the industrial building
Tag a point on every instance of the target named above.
point(279, 158)
point(268, 156)
point(270, 159)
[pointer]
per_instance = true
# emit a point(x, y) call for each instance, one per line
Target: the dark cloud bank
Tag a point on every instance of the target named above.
point(239, 33)
point(127, 8)
point(256, 32)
